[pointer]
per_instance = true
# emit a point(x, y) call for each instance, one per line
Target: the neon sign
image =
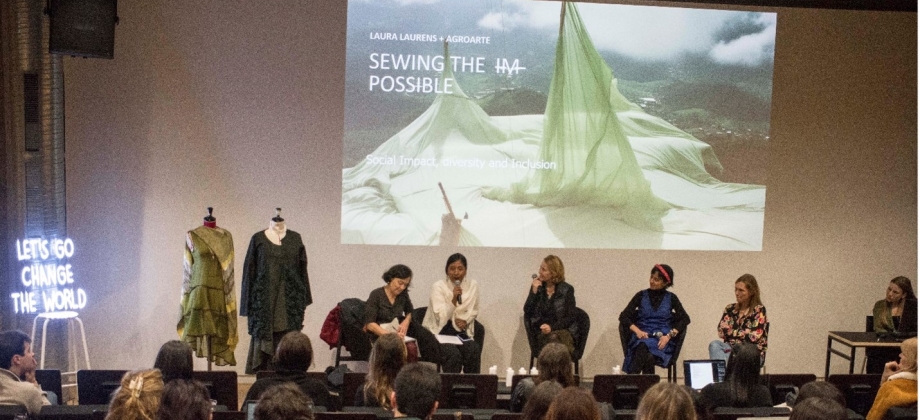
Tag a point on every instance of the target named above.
point(47, 277)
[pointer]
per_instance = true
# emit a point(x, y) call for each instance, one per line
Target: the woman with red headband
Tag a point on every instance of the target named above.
point(655, 316)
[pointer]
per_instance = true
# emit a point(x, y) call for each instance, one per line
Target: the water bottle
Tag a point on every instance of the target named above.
point(493, 370)
point(534, 371)
point(617, 370)
point(509, 374)
point(522, 371)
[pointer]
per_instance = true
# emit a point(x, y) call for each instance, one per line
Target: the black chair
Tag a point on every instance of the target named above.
point(859, 390)
point(50, 380)
point(731, 413)
point(95, 387)
point(460, 390)
point(222, 386)
point(623, 392)
point(782, 384)
point(345, 416)
point(451, 416)
point(579, 335)
point(228, 415)
point(70, 412)
point(507, 416)
point(351, 332)
point(9, 412)
point(901, 413)
point(351, 382)
point(625, 335)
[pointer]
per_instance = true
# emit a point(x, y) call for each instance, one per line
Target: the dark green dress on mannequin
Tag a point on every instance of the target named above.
point(275, 294)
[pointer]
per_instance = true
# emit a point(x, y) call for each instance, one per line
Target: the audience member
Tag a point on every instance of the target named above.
point(742, 386)
point(17, 373)
point(138, 397)
point(540, 399)
point(654, 317)
point(184, 400)
point(899, 382)
point(553, 364)
point(284, 402)
point(822, 389)
point(666, 401)
point(416, 391)
point(573, 403)
point(816, 408)
point(744, 321)
point(292, 360)
point(174, 361)
point(388, 356)
point(897, 313)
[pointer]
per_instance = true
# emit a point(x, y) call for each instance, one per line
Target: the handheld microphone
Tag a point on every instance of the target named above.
point(533, 276)
point(460, 296)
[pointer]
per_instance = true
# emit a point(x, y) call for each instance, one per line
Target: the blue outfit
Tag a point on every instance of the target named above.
point(652, 311)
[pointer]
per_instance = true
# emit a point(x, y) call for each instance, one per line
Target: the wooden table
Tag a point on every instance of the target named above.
point(853, 340)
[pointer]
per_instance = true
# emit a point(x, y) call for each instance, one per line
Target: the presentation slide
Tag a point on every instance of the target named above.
point(555, 125)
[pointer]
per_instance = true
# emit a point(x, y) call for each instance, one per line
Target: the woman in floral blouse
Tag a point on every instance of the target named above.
point(743, 321)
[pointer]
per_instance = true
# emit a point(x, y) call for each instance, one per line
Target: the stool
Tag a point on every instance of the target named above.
point(72, 318)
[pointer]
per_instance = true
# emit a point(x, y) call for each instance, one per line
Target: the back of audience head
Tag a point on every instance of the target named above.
point(416, 390)
point(388, 356)
point(540, 399)
point(816, 408)
point(295, 352)
point(555, 364)
point(284, 402)
point(174, 360)
point(908, 361)
point(184, 400)
point(743, 372)
point(666, 401)
point(822, 389)
point(138, 397)
point(573, 403)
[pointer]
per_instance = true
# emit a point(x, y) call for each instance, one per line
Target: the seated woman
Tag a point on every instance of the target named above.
point(184, 399)
point(452, 310)
point(549, 312)
point(389, 309)
point(899, 382)
point(292, 360)
point(174, 360)
point(554, 364)
point(744, 321)
point(666, 401)
point(654, 317)
point(896, 313)
point(387, 358)
point(138, 397)
point(742, 387)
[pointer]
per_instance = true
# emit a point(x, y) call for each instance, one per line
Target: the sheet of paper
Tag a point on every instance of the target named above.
point(449, 339)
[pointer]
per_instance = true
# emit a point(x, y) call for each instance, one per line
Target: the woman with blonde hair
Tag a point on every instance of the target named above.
point(387, 357)
point(138, 397)
point(549, 312)
point(899, 382)
point(666, 401)
point(744, 321)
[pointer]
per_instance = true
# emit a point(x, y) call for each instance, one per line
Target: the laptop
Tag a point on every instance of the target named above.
point(699, 373)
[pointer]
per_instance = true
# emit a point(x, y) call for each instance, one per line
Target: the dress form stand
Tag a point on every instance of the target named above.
point(208, 268)
point(211, 222)
point(276, 228)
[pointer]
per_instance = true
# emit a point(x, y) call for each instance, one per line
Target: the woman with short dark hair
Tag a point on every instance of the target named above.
point(292, 360)
point(184, 400)
point(174, 360)
point(654, 316)
point(388, 309)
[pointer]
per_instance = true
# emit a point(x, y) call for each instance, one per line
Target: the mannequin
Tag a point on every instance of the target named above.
point(208, 283)
point(275, 290)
